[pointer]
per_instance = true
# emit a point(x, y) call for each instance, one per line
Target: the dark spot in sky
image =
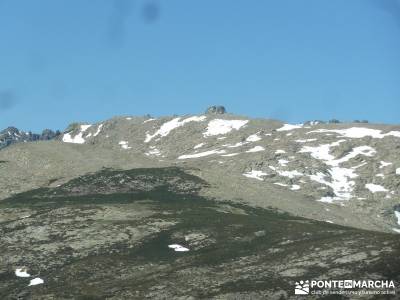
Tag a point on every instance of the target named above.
point(121, 11)
point(7, 100)
point(389, 6)
point(151, 11)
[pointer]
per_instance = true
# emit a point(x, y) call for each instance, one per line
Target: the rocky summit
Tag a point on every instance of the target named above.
point(213, 206)
point(216, 109)
point(12, 135)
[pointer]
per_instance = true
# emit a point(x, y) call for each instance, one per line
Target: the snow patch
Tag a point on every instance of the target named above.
point(153, 152)
point(239, 144)
point(283, 162)
point(375, 188)
point(255, 174)
point(98, 130)
point(178, 248)
point(199, 146)
point(321, 152)
point(256, 149)
point(280, 151)
point(359, 132)
point(167, 127)
point(397, 214)
point(36, 281)
point(124, 145)
point(290, 174)
point(295, 187)
point(78, 138)
point(219, 126)
point(305, 141)
point(362, 150)
point(230, 154)
point(359, 166)
point(253, 138)
point(340, 177)
point(201, 154)
point(22, 272)
point(385, 164)
point(287, 127)
point(340, 183)
point(148, 120)
point(280, 184)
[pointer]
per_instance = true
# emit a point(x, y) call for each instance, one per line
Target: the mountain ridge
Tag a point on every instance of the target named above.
point(346, 173)
point(12, 135)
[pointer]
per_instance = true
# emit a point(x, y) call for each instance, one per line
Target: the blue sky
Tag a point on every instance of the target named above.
point(83, 60)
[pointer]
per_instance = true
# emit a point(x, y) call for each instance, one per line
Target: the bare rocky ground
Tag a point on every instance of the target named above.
point(105, 235)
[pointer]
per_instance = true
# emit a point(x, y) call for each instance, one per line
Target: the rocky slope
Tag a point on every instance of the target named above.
point(200, 206)
point(345, 173)
point(149, 234)
point(12, 135)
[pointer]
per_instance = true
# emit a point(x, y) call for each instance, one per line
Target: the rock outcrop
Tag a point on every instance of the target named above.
point(216, 110)
point(12, 135)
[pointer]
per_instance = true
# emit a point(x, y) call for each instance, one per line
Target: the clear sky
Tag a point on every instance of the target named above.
point(88, 60)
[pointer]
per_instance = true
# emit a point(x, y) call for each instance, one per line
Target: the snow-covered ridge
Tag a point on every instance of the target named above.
point(358, 132)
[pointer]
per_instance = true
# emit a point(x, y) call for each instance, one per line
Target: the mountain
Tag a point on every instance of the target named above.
point(347, 173)
point(12, 135)
point(204, 206)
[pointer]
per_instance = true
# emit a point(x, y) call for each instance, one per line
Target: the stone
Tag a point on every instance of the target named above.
point(216, 110)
